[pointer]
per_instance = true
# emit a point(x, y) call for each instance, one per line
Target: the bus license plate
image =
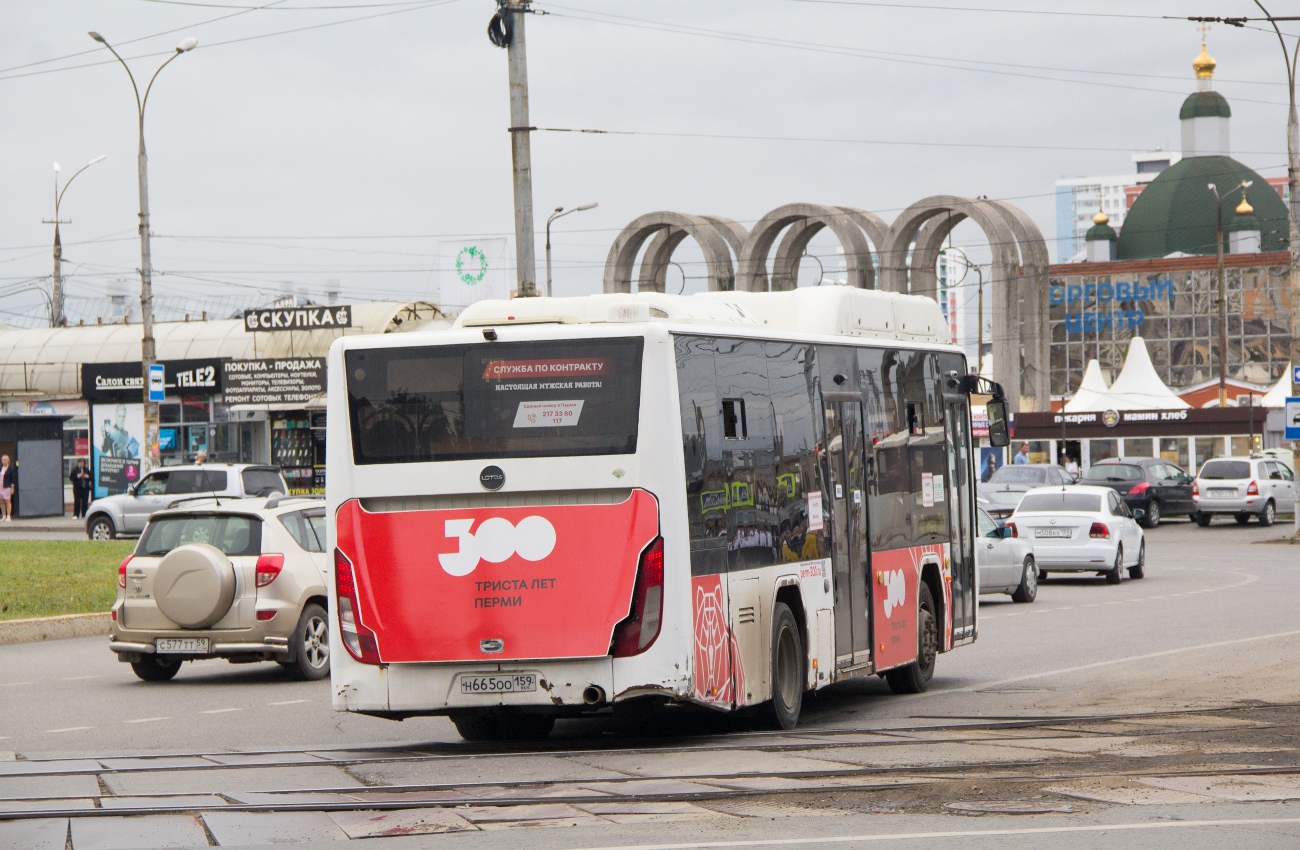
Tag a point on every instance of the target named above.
point(506, 683)
point(181, 645)
point(1052, 532)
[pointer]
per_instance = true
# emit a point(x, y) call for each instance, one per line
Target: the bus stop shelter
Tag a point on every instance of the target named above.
point(34, 443)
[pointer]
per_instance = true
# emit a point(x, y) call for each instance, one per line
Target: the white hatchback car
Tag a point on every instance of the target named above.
point(1244, 487)
point(1006, 564)
point(1081, 529)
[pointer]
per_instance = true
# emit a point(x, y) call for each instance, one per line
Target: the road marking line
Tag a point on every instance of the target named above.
point(13, 684)
point(69, 729)
point(289, 702)
point(912, 836)
point(77, 678)
point(146, 719)
point(220, 710)
point(1094, 665)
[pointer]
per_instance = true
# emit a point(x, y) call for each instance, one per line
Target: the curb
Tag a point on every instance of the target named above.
point(54, 628)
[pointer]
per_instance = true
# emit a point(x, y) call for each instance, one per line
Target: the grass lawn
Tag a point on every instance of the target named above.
point(44, 578)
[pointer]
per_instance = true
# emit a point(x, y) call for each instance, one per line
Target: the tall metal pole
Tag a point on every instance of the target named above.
point(57, 318)
point(520, 153)
point(1223, 304)
point(1292, 182)
point(56, 293)
point(560, 212)
point(149, 457)
point(549, 219)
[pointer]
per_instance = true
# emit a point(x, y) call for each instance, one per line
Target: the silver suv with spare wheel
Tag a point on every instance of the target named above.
point(240, 579)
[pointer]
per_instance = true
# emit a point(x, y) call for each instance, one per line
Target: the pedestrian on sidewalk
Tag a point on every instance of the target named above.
point(82, 484)
point(8, 486)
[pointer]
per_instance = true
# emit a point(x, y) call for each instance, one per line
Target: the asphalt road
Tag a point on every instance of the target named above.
point(1212, 624)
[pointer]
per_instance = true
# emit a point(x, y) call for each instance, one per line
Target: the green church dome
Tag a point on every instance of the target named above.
point(1175, 212)
point(1205, 104)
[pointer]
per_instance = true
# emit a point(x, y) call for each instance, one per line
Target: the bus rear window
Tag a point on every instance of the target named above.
point(526, 399)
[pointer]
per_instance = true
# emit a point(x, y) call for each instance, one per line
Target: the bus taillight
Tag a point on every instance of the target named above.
point(359, 640)
point(635, 634)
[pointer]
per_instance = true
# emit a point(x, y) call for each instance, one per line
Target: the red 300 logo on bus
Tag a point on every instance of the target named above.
point(895, 590)
point(423, 590)
point(532, 539)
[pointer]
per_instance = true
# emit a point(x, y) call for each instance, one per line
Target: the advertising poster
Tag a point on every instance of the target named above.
point(474, 270)
point(117, 439)
point(990, 461)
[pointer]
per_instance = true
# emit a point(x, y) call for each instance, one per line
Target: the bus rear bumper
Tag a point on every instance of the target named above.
point(414, 689)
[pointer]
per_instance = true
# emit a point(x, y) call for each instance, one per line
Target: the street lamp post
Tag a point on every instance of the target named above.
point(148, 356)
point(560, 212)
point(57, 318)
point(1292, 182)
point(1223, 287)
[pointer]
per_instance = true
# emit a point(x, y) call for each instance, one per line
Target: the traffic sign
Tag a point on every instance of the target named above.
point(156, 381)
point(1293, 419)
point(1295, 375)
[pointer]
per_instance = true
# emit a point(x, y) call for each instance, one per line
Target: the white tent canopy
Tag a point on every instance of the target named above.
point(1138, 387)
point(1092, 388)
point(1281, 391)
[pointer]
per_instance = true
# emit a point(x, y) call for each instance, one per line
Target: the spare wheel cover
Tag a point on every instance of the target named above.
point(195, 585)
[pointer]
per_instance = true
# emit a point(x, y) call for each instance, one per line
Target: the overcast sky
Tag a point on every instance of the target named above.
point(281, 159)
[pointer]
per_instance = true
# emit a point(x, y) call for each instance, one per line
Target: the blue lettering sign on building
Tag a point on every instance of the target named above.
point(1076, 297)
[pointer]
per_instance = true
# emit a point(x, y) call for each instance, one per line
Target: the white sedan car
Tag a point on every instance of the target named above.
point(1081, 529)
point(1006, 564)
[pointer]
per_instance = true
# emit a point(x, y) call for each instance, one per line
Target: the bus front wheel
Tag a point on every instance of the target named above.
point(787, 669)
point(915, 677)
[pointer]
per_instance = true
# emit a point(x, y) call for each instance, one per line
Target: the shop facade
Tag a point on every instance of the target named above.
point(1187, 438)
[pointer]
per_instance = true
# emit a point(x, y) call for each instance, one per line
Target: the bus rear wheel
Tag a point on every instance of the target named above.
point(491, 726)
point(787, 669)
point(915, 677)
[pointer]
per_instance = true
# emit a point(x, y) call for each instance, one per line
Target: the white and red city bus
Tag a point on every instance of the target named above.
point(563, 504)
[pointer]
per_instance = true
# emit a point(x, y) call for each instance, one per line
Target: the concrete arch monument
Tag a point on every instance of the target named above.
point(672, 228)
point(1019, 285)
point(805, 220)
point(785, 265)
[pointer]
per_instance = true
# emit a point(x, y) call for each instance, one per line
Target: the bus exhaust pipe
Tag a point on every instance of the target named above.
point(593, 695)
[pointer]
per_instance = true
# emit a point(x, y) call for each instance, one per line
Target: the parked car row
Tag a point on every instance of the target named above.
point(1259, 486)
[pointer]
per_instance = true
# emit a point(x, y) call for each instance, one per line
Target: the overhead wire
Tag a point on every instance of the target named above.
point(428, 4)
point(611, 19)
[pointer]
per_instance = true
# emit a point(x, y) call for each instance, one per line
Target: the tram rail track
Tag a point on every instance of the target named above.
point(791, 741)
point(965, 772)
point(676, 787)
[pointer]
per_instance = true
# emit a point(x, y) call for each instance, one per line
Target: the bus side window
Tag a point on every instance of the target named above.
point(706, 488)
point(734, 426)
point(915, 426)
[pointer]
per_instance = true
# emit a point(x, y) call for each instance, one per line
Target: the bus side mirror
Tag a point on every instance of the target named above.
point(996, 409)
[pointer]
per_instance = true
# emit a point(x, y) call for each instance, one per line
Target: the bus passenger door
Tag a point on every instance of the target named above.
point(845, 478)
point(961, 521)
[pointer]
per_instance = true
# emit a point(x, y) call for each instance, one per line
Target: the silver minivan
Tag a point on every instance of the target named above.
point(128, 513)
point(1244, 487)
